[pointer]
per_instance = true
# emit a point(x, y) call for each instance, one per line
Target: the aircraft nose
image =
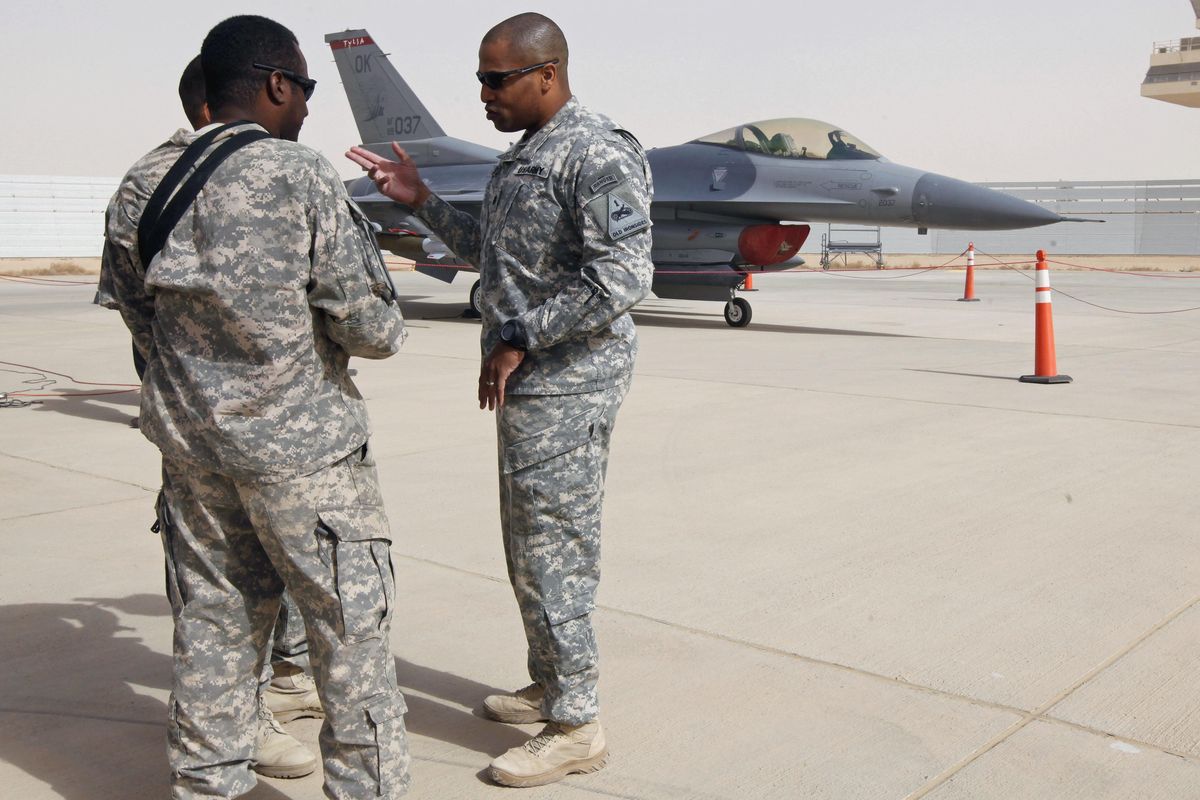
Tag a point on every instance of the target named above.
point(941, 202)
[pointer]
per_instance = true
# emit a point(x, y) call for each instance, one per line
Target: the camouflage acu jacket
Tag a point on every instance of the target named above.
point(251, 311)
point(562, 246)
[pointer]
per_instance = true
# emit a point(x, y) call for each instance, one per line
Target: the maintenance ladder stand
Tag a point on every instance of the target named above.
point(835, 245)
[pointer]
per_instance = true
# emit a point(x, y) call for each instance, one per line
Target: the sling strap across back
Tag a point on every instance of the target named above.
point(167, 206)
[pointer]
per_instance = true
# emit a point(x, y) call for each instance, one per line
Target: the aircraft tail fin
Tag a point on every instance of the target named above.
point(384, 107)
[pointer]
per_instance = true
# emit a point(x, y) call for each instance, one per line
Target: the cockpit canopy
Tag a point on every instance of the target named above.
point(794, 138)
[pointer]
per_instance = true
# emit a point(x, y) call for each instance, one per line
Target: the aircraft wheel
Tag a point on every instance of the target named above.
point(476, 298)
point(737, 313)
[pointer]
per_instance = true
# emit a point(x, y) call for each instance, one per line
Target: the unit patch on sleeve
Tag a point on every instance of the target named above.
point(616, 214)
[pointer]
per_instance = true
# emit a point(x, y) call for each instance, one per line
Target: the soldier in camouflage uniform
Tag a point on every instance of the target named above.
point(563, 250)
point(286, 691)
point(248, 317)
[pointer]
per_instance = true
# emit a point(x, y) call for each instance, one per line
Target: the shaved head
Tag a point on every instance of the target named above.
point(533, 37)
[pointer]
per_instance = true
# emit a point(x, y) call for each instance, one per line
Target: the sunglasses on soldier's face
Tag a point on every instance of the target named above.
point(496, 78)
point(307, 85)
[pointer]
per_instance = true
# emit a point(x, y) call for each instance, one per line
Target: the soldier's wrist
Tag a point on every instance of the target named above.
point(423, 194)
point(513, 334)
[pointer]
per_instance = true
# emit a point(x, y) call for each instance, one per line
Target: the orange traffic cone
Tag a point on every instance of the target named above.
point(1045, 370)
point(748, 284)
point(969, 290)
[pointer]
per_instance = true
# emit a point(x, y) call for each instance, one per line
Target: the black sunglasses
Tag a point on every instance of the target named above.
point(307, 84)
point(495, 79)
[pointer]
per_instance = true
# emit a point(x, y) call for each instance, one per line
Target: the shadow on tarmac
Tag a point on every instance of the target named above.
point(683, 319)
point(965, 374)
point(448, 721)
point(88, 406)
point(414, 309)
point(72, 714)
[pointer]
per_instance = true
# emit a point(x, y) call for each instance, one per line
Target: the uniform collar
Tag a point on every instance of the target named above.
point(569, 110)
point(187, 137)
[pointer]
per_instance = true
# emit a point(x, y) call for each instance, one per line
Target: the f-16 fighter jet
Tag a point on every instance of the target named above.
point(725, 205)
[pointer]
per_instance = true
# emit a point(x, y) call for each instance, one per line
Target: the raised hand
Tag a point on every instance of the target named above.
point(398, 180)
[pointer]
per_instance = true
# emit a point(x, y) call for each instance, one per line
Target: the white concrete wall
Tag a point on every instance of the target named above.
point(52, 217)
point(43, 216)
point(1140, 218)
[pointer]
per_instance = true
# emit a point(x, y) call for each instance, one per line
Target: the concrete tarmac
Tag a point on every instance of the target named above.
point(847, 554)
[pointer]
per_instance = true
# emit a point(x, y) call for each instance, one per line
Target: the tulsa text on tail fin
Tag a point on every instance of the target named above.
point(385, 109)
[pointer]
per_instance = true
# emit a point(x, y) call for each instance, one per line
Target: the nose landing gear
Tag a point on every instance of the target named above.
point(737, 312)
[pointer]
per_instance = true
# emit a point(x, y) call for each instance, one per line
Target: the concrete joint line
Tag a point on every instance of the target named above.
point(1040, 711)
point(77, 471)
point(1026, 716)
point(763, 648)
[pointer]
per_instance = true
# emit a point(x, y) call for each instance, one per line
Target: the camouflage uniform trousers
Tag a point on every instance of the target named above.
point(553, 453)
point(231, 549)
point(289, 643)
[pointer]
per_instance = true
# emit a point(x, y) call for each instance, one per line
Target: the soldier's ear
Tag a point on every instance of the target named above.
point(276, 91)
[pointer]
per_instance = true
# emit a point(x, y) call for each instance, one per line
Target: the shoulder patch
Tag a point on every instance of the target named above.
point(617, 215)
point(603, 183)
point(533, 169)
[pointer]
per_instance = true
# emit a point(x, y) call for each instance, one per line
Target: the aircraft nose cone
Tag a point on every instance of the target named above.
point(941, 202)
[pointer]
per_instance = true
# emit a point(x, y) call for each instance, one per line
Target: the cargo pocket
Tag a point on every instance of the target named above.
point(571, 635)
point(164, 526)
point(379, 280)
point(362, 567)
point(552, 481)
point(525, 223)
point(386, 716)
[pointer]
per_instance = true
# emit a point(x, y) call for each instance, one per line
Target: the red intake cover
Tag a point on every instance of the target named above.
point(767, 245)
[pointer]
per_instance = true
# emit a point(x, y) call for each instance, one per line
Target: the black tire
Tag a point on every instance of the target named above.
point(476, 296)
point(737, 313)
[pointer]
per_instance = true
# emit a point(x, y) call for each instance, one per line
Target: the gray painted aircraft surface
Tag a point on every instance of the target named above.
point(725, 205)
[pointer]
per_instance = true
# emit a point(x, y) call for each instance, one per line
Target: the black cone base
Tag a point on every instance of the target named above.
point(1045, 379)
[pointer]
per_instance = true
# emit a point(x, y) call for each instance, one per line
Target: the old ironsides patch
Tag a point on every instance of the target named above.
point(617, 215)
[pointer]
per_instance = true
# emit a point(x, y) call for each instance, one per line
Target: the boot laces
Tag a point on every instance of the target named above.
point(265, 715)
point(540, 743)
point(529, 692)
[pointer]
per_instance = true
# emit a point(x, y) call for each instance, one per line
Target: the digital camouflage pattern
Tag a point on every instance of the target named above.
point(231, 548)
point(563, 246)
point(272, 248)
point(553, 458)
point(247, 318)
point(289, 642)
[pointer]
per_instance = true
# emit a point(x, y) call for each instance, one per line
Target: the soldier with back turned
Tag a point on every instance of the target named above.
point(247, 317)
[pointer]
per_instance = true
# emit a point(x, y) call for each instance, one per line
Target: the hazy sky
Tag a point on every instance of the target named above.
point(982, 90)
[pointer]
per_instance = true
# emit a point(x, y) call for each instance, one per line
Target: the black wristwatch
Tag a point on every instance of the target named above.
point(512, 333)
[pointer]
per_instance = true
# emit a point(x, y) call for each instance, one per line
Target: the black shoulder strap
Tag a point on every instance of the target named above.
point(163, 211)
point(170, 182)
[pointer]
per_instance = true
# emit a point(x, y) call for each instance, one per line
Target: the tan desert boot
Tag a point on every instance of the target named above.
point(558, 751)
point(519, 707)
point(277, 753)
point(293, 695)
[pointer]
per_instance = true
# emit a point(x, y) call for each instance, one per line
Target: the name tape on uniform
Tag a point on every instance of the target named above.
point(533, 169)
